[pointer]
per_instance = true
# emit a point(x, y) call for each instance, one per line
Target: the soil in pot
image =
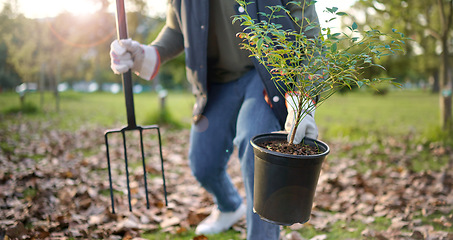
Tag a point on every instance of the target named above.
point(282, 146)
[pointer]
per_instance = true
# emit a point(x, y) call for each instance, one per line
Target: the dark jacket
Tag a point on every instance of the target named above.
point(187, 29)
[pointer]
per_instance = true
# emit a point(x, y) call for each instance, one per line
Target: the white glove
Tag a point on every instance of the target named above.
point(128, 54)
point(307, 127)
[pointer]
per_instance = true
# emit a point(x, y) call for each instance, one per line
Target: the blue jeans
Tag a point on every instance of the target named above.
point(235, 112)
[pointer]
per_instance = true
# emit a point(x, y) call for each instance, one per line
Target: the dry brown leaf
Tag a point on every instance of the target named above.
point(200, 237)
point(170, 222)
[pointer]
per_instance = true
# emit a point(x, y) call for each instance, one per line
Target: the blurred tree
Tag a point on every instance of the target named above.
point(71, 48)
point(22, 44)
point(429, 24)
point(8, 76)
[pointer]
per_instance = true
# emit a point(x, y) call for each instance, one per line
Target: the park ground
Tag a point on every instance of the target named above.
point(389, 174)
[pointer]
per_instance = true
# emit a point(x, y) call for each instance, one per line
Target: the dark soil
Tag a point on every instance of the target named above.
point(282, 146)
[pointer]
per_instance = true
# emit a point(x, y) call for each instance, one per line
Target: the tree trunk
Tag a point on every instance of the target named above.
point(445, 107)
point(434, 81)
point(55, 87)
point(22, 99)
point(445, 90)
point(445, 80)
point(42, 84)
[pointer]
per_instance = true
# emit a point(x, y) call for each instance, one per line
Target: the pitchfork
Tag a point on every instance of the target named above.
point(131, 124)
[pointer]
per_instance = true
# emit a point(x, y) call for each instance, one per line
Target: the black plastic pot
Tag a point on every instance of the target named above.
point(285, 184)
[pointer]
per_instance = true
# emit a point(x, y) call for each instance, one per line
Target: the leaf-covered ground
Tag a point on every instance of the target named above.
point(54, 184)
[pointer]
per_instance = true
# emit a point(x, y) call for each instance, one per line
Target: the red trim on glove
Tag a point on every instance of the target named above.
point(266, 98)
point(156, 70)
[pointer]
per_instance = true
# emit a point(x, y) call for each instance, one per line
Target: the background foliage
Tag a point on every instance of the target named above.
point(70, 48)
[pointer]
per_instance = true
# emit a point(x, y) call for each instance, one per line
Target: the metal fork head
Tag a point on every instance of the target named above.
point(123, 133)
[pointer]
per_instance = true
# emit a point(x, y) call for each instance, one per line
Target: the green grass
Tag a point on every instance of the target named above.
point(359, 113)
point(97, 109)
point(30, 193)
point(339, 230)
point(190, 234)
point(26, 108)
point(353, 115)
point(431, 220)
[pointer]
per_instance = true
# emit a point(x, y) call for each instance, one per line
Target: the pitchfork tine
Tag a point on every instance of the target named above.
point(162, 167)
point(110, 171)
point(144, 168)
point(127, 171)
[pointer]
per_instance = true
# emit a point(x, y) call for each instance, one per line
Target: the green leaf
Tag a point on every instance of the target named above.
point(331, 19)
point(295, 3)
point(354, 26)
point(309, 27)
point(333, 48)
point(279, 34)
point(259, 44)
point(396, 84)
point(332, 10)
point(253, 39)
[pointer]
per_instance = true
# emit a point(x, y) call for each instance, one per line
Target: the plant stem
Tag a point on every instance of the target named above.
point(297, 120)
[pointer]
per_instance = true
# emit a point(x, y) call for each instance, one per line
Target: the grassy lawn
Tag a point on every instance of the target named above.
point(350, 116)
point(97, 109)
point(228, 235)
point(358, 114)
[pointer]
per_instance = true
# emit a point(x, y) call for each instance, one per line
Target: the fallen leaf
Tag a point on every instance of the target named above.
point(200, 237)
point(170, 222)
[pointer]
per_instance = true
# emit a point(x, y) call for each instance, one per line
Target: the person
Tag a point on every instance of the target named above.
point(235, 98)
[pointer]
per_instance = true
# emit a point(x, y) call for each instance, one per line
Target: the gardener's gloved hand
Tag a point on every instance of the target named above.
point(307, 127)
point(128, 54)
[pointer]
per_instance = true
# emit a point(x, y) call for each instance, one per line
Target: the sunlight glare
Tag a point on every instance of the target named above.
point(321, 6)
point(51, 8)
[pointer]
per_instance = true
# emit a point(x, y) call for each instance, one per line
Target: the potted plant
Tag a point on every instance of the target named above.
point(313, 69)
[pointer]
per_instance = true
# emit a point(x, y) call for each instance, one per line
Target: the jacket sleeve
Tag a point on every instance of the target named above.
point(170, 41)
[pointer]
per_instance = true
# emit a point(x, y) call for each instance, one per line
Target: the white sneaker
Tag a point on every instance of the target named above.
point(218, 222)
